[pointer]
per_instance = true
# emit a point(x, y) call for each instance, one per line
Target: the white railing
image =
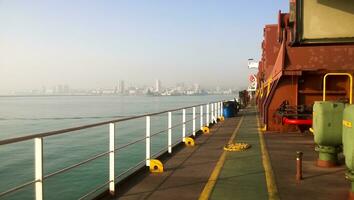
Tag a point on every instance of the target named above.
point(210, 116)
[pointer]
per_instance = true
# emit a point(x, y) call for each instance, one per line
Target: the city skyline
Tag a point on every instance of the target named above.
point(93, 44)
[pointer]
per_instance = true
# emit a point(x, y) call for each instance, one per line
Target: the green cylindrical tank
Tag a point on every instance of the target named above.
point(348, 141)
point(327, 126)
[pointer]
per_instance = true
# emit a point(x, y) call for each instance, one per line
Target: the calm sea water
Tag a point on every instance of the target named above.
point(29, 115)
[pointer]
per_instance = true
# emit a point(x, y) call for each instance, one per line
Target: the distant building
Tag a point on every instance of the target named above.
point(158, 86)
point(196, 88)
point(121, 88)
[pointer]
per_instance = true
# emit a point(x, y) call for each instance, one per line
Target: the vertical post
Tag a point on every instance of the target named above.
point(111, 159)
point(184, 125)
point(212, 113)
point(38, 164)
point(299, 165)
point(216, 112)
point(201, 117)
point(147, 143)
point(219, 109)
point(169, 132)
point(222, 109)
point(207, 115)
point(193, 121)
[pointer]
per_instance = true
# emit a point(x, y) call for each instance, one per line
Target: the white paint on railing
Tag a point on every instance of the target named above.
point(201, 117)
point(169, 132)
point(222, 109)
point(184, 125)
point(193, 121)
point(147, 141)
point(207, 115)
point(111, 158)
point(38, 165)
point(212, 113)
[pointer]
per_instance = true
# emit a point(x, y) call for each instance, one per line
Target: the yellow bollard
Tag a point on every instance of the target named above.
point(189, 142)
point(156, 166)
point(205, 129)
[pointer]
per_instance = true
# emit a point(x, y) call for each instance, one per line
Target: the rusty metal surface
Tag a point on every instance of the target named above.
point(294, 73)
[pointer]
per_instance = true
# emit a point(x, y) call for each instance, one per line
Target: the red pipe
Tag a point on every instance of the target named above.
point(297, 121)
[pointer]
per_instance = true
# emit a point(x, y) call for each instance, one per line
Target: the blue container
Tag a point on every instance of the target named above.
point(230, 108)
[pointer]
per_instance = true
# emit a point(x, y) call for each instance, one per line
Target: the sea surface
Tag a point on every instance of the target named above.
point(20, 116)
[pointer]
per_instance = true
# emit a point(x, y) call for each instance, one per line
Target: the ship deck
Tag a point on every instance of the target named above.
point(265, 171)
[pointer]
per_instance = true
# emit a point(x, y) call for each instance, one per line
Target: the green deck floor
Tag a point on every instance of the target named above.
point(243, 176)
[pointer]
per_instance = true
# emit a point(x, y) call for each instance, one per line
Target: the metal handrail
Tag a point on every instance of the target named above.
point(77, 128)
point(215, 112)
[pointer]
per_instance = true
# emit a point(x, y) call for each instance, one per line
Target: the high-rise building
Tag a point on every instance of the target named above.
point(158, 86)
point(121, 88)
point(196, 87)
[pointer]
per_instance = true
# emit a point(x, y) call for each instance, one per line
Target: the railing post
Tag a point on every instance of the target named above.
point(184, 125)
point(207, 115)
point(169, 132)
point(212, 113)
point(201, 117)
point(193, 121)
point(219, 107)
point(147, 142)
point(222, 108)
point(38, 164)
point(111, 158)
point(216, 113)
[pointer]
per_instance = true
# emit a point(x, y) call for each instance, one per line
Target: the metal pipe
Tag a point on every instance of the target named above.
point(299, 155)
point(339, 74)
point(147, 142)
point(38, 167)
point(111, 158)
point(207, 115)
point(184, 125)
point(297, 121)
point(201, 117)
point(193, 121)
point(62, 131)
point(169, 132)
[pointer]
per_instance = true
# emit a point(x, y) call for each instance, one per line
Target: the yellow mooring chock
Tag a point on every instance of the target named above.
point(156, 166)
point(236, 147)
point(205, 129)
point(189, 142)
point(264, 128)
point(222, 118)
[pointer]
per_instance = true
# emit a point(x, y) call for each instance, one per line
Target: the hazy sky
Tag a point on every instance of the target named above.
point(91, 44)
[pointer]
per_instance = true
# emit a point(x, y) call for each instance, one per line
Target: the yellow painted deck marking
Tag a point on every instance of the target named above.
point(271, 185)
point(208, 188)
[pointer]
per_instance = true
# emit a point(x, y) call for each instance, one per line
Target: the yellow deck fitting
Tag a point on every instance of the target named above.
point(156, 166)
point(189, 142)
point(205, 129)
point(311, 130)
point(222, 118)
point(237, 147)
point(347, 123)
point(264, 128)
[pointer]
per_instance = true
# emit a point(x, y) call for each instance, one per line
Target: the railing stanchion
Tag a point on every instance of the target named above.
point(169, 132)
point(147, 143)
point(207, 115)
point(219, 107)
point(193, 121)
point(38, 164)
point(111, 158)
point(222, 109)
point(184, 125)
point(212, 113)
point(201, 117)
